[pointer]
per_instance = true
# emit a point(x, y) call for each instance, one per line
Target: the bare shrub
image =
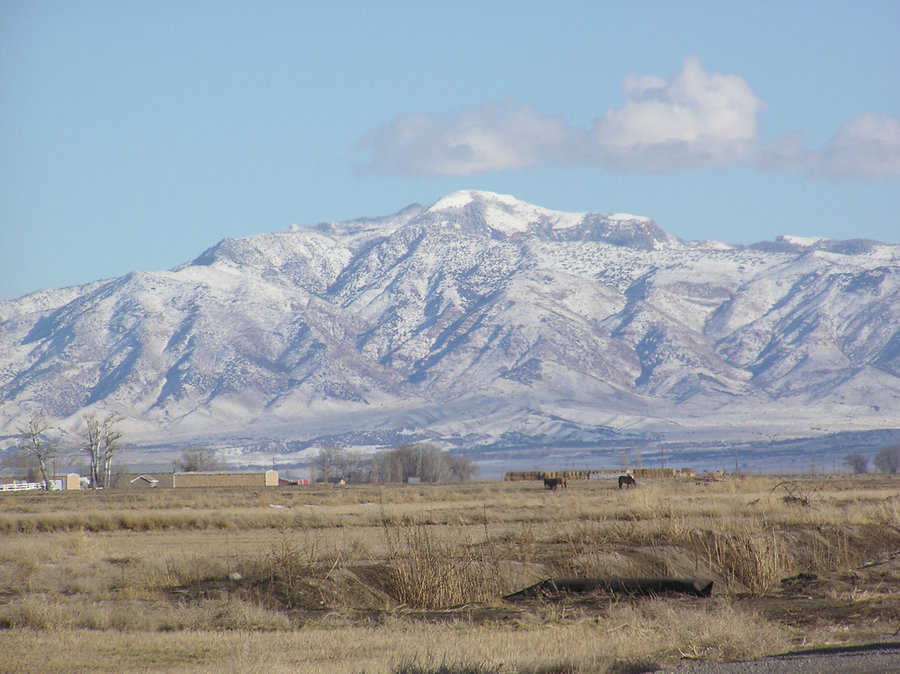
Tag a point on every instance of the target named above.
point(438, 568)
point(194, 459)
point(755, 559)
point(824, 548)
point(857, 463)
point(888, 460)
point(288, 573)
point(798, 493)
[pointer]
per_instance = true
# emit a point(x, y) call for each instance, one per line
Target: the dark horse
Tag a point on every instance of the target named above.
point(554, 482)
point(626, 480)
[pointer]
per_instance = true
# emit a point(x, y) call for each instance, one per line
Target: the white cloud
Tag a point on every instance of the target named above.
point(494, 137)
point(868, 147)
point(788, 153)
point(865, 148)
point(697, 119)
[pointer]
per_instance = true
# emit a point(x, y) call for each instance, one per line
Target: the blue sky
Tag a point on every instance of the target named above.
point(137, 134)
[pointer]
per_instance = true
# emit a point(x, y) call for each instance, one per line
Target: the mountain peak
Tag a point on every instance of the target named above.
point(802, 241)
point(502, 212)
point(463, 198)
point(479, 321)
point(509, 217)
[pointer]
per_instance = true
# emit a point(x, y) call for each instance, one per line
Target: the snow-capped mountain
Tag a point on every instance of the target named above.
point(477, 322)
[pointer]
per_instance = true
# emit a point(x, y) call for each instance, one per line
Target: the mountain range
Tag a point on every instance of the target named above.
point(481, 323)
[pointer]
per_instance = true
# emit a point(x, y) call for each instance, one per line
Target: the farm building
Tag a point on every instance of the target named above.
point(231, 478)
point(70, 481)
point(142, 481)
point(146, 481)
point(268, 478)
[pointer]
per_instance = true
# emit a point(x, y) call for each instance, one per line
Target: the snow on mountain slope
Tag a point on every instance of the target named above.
point(479, 321)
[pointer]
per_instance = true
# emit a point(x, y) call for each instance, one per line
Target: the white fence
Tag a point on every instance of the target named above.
point(70, 481)
point(21, 486)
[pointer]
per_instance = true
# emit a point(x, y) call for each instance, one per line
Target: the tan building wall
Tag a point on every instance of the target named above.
point(267, 478)
point(142, 481)
point(654, 472)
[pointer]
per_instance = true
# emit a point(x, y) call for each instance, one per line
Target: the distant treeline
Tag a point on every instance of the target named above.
point(420, 461)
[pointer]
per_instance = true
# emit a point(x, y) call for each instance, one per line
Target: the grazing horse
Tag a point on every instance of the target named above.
point(554, 482)
point(626, 480)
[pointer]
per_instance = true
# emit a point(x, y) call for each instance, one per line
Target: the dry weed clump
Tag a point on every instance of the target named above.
point(887, 511)
point(753, 559)
point(715, 631)
point(287, 574)
point(440, 568)
point(185, 569)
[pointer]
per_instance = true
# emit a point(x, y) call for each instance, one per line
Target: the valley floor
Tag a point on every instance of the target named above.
point(417, 578)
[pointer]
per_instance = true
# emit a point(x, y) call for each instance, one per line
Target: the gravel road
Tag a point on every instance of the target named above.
point(868, 659)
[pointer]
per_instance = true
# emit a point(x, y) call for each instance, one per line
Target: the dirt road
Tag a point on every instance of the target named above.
point(867, 659)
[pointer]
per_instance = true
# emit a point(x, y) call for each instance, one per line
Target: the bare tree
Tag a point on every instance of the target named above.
point(102, 441)
point(110, 438)
point(422, 460)
point(888, 460)
point(36, 444)
point(92, 448)
point(329, 462)
point(432, 466)
point(461, 468)
point(400, 463)
point(386, 467)
point(355, 468)
point(196, 459)
point(857, 463)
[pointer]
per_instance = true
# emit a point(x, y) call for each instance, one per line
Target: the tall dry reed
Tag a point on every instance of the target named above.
point(439, 567)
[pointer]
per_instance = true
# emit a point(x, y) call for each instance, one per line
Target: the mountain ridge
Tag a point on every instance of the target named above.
point(479, 321)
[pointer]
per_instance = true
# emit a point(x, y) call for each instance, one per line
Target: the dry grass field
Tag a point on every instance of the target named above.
point(412, 578)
